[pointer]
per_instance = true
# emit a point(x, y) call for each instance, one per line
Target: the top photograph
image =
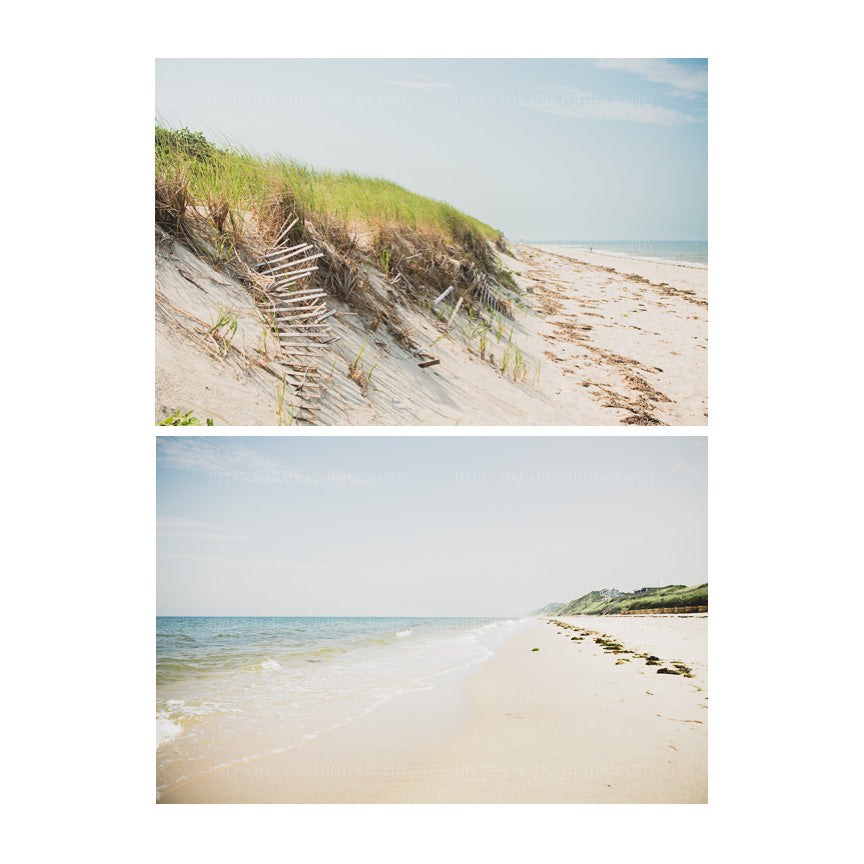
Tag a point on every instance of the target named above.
point(431, 242)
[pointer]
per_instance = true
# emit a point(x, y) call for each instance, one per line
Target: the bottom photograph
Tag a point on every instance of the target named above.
point(449, 620)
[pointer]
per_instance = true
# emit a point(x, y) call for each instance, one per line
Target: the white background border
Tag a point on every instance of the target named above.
point(80, 647)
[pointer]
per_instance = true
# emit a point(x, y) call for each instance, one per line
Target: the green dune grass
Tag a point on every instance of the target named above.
point(594, 603)
point(229, 179)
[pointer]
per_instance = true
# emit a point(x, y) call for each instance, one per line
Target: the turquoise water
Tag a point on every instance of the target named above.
point(229, 690)
point(673, 251)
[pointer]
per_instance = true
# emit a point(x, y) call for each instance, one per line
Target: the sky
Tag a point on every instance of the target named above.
point(539, 149)
point(422, 526)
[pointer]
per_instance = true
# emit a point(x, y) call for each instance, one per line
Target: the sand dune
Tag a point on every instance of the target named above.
point(599, 347)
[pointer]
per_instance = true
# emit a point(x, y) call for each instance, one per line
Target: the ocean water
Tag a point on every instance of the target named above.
point(230, 690)
point(693, 252)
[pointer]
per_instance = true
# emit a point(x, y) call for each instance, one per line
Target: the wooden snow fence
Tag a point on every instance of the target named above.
point(300, 315)
point(488, 296)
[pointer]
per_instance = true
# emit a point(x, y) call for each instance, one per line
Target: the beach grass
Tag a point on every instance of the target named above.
point(376, 239)
point(229, 180)
point(595, 603)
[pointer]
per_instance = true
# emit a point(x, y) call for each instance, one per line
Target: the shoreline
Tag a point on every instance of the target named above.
point(679, 274)
point(621, 256)
point(564, 724)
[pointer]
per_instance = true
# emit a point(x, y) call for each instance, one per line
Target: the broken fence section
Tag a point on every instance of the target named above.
point(300, 316)
point(490, 298)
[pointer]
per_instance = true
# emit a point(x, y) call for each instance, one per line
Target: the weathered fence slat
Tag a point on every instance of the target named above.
point(289, 264)
point(285, 232)
point(298, 315)
point(286, 253)
point(437, 300)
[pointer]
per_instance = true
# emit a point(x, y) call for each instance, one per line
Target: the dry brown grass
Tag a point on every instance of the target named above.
point(374, 267)
point(218, 212)
point(424, 263)
point(172, 199)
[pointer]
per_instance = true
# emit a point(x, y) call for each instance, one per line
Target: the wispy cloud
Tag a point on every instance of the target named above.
point(683, 76)
point(572, 102)
point(687, 94)
point(229, 461)
point(215, 456)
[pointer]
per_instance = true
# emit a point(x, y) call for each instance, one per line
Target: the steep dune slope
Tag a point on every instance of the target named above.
point(583, 359)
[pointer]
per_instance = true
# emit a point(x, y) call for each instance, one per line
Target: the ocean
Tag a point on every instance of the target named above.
point(230, 690)
point(692, 252)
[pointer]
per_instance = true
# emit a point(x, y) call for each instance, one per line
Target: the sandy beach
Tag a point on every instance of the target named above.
point(603, 340)
point(568, 723)
point(682, 276)
point(633, 334)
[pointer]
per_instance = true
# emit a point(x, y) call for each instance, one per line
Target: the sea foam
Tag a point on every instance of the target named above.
point(330, 672)
point(166, 728)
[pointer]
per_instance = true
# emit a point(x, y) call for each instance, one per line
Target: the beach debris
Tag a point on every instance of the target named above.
point(535, 649)
point(453, 314)
point(611, 646)
point(678, 668)
point(437, 300)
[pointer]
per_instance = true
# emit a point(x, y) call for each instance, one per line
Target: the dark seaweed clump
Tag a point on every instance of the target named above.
point(677, 669)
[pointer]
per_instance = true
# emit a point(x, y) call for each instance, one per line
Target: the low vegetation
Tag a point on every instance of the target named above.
point(595, 603)
point(549, 609)
point(238, 193)
point(185, 419)
point(227, 180)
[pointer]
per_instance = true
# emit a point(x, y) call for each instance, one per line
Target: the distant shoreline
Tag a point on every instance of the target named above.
point(689, 277)
point(647, 260)
point(589, 249)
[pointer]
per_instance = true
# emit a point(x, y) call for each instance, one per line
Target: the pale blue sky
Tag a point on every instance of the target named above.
point(541, 149)
point(422, 525)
